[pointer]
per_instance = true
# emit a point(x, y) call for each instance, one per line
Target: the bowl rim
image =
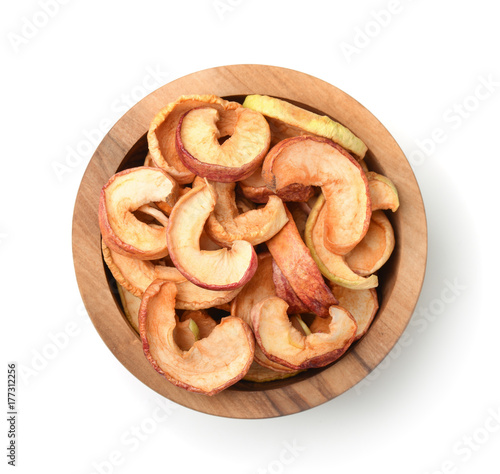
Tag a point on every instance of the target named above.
point(396, 308)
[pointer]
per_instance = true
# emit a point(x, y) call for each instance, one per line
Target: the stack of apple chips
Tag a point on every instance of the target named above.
point(247, 245)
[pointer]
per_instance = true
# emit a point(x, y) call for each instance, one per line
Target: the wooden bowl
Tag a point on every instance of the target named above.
point(400, 279)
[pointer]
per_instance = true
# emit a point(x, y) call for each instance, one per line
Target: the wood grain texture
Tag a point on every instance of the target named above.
point(400, 279)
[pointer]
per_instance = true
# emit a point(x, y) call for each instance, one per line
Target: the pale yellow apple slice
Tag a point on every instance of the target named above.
point(131, 304)
point(124, 193)
point(318, 161)
point(255, 189)
point(136, 275)
point(376, 247)
point(225, 224)
point(223, 269)
point(281, 342)
point(211, 364)
point(161, 134)
point(289, 120)
point(295, 261)
point(383, 192)
point(260, 374)
point(331, 265)
point(199, 148)
point(361, 304)
point(259, 287)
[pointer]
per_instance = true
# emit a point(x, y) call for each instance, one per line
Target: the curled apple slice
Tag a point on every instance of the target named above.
point(255, 189)
point(288, 120)
point(136, 275)
point(211, 364)
point(258, 373)
point(161, 134)
point(198, 146)
point(376, 247)
point(281, 342)
point(124, 193)
point(295, 261)
point(361, 304)
point(286, 292)
point(131, 305)
point(223, 269)
point(318, 161)
point(383, 193)
point(225, 224)
point(331, 265)
point(259, 287)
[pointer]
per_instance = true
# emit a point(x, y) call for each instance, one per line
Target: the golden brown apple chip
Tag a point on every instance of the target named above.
point(255, 189)
point(223, 269)
point(259, 287)
point(383, 193)
point(297, 265)
point(211, 364)
point(361, 304)
point(161, 134)
point(283, 343)
point(316, 161)
point(260, 374)
point(136, 275)
point(198, 142)
point(331, 265)
point(376, 247)
point(121, 196)
point(225, 224)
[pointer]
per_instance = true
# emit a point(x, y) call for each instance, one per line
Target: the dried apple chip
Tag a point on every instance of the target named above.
point(332, 266)
point(131, 305)
point(317, 161)
point(225, 224)
point(222, 269)
point(255, 189)
point(259, 287)
point(161, 134)
point(383, 193)
point(376, 247)
point(258, 373)
point(285, 291)
point(124, 193)
point(283, 343)
point(361, 304)
point(288, 120)
point(295, 261)
point(199, 148)
point(136, 275)
point(211, 364)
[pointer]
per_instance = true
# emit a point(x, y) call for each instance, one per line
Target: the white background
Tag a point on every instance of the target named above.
point(431, 405)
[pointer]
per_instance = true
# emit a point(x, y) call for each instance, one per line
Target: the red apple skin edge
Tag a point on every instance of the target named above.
point(215, 172)
point(152, 291)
